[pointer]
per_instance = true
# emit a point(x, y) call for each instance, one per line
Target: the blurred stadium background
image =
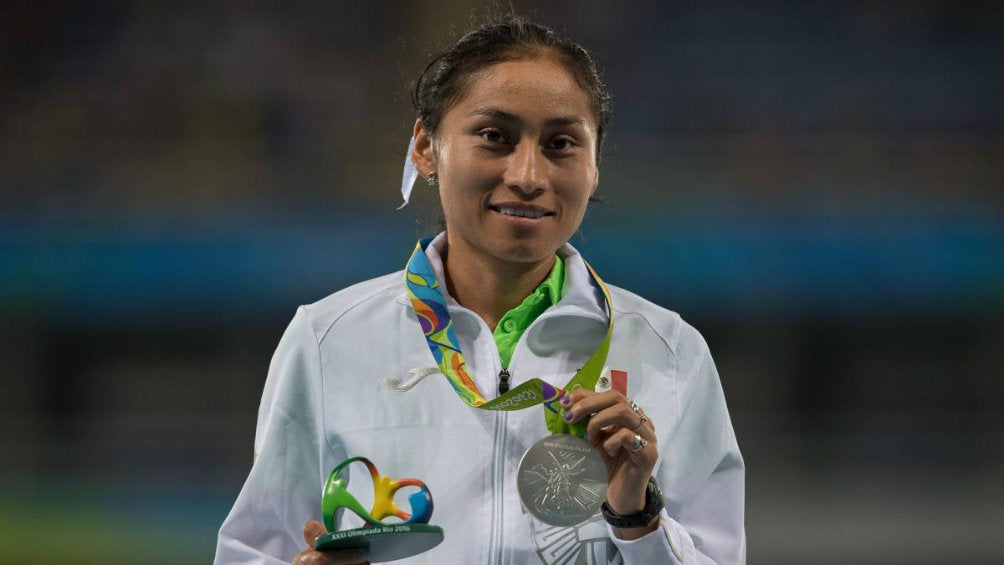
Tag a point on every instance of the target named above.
point(817, 186)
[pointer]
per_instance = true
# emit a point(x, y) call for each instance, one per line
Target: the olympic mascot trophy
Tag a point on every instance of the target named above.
point(381, 541)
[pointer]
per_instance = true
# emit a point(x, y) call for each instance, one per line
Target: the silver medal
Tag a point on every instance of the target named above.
point(562, 480)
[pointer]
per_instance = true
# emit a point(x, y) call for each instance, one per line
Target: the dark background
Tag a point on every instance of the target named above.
point(817, 186)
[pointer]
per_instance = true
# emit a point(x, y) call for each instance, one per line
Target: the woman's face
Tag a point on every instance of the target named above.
point(516, 161)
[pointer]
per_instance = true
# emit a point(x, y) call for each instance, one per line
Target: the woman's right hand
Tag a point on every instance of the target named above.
point(311, 556)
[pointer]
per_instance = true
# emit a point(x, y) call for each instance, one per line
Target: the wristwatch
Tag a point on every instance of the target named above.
point(653, 505)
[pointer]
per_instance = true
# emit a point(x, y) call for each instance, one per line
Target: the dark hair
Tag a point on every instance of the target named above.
point(446, 78)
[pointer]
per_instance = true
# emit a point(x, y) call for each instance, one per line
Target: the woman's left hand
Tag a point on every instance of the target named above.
point(612, 428)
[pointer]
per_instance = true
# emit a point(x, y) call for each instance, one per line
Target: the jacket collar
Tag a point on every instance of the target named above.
point(581, 296)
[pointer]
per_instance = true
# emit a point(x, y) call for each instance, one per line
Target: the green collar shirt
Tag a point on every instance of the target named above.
point(516, 321)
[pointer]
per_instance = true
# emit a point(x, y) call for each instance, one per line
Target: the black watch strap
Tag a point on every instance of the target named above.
point(653, 505)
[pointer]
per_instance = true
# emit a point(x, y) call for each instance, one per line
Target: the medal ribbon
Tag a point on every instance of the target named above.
point(430, 306)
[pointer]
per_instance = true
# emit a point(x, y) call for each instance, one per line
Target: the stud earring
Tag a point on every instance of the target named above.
point(432, 179)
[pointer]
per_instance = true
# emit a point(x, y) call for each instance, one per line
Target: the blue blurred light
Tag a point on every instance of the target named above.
point(244, 271)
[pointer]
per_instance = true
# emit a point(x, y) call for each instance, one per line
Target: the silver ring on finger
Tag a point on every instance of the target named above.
point(638, 443)
point(635, 407)
point(641, 422)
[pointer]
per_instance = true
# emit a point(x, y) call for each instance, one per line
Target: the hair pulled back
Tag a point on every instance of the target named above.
point(447, 77)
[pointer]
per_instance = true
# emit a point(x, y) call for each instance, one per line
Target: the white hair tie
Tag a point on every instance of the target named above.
point(409, 175)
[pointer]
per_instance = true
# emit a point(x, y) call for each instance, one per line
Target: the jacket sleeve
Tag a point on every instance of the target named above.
point(283, 488)
point(701, 472)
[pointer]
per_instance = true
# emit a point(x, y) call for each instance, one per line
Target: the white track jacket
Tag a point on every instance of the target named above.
point(326, 399)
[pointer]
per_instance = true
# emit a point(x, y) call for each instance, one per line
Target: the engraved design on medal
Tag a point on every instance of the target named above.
point(583, 544)
point(562, 480)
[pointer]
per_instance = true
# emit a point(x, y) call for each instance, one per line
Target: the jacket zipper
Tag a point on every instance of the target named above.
point(495, 551)
point(498, 492)
point(498, 470)
point(503, 381)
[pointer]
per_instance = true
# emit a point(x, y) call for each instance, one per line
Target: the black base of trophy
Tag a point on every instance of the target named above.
point(384, 543)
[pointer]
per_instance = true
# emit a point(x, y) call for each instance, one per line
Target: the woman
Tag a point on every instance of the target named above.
point(510, 123)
